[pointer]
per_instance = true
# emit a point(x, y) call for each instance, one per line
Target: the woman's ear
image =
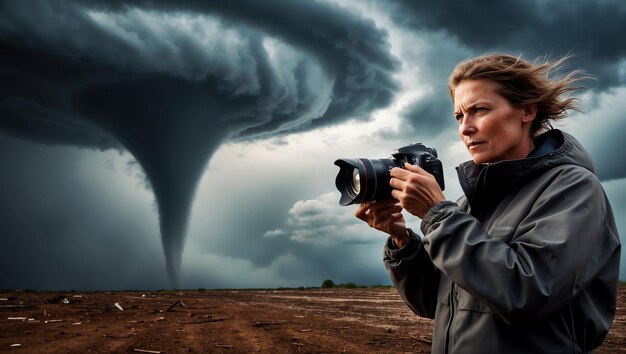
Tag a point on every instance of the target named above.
point(529, 112)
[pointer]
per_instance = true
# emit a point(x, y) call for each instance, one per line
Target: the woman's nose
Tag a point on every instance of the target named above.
point(466, 127)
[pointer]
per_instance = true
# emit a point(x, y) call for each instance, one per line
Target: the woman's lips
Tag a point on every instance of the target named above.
point(474, 144)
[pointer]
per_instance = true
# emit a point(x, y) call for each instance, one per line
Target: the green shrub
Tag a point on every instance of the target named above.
point(328, 284)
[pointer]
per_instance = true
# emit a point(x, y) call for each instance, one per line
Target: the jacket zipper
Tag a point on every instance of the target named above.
point(449, 326)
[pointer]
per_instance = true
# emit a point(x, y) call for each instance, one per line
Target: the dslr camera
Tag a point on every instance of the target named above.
point(360, 180)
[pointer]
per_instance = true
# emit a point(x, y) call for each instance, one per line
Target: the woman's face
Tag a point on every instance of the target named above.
point(491, 128)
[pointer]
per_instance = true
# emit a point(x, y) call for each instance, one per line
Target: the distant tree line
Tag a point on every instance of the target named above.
point(328, 283)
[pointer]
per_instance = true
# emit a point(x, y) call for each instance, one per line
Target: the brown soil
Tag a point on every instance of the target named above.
point(277, 321)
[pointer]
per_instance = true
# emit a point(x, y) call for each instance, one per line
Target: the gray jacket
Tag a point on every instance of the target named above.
point(526, 262)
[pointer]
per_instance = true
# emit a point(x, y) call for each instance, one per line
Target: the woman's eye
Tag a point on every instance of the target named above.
point(458, 117)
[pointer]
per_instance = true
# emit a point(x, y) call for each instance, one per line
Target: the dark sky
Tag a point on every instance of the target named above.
point(151, 144)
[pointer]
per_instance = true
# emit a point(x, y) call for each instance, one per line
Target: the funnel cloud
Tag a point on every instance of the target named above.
point(170, 81)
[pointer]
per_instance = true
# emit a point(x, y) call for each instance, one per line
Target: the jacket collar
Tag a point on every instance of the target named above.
point(486, 184)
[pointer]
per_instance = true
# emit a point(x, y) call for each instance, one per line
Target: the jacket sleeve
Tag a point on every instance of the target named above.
point(561, 245)
point(414, 275)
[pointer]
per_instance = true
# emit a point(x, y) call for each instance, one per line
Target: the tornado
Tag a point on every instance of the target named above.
point(170, 81)
point(169, 126)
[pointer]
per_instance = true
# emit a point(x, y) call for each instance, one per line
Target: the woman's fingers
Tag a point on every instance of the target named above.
point(379, 214)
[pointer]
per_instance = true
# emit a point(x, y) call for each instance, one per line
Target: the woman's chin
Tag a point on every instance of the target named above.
point(478, 159)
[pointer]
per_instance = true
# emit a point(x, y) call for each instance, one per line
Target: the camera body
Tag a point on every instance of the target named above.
point(361, 179)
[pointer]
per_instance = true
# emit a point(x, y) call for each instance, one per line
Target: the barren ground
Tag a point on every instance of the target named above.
point(240, 321)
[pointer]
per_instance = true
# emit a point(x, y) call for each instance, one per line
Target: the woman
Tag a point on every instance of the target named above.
point(527, 260)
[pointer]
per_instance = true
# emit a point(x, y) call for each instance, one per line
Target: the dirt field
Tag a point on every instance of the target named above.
point(276, 321)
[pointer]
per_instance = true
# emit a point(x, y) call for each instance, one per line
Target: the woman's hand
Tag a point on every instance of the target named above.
point(385, 216)
point(415, 189)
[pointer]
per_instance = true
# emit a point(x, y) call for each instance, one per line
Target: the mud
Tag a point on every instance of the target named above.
point(372, 320)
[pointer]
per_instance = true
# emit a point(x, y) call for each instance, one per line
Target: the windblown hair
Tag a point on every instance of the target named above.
point(524, 83)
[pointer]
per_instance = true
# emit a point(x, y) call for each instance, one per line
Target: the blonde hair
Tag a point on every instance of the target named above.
point(522, 83)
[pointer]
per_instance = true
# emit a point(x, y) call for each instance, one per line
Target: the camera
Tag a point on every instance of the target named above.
point(360, 180)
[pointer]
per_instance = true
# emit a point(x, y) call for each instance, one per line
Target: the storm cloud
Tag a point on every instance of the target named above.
point(535, 28)
point(171, 81)
point(589, 31)
point(214, 124)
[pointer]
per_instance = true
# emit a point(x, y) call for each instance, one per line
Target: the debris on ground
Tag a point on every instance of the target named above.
point(361, 320)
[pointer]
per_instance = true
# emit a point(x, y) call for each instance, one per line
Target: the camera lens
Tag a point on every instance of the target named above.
point(355, 186)
point(362, 180)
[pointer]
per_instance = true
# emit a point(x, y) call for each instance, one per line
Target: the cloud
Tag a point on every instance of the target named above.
point(615, 192)
point(601, 129)
point(170, 81)
point(323, 222)
point(324, 209)
point(71, 220)
point(317, 240)
point(274, 233)
point(431, 44)
point(230, 113)
point(535, 28)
